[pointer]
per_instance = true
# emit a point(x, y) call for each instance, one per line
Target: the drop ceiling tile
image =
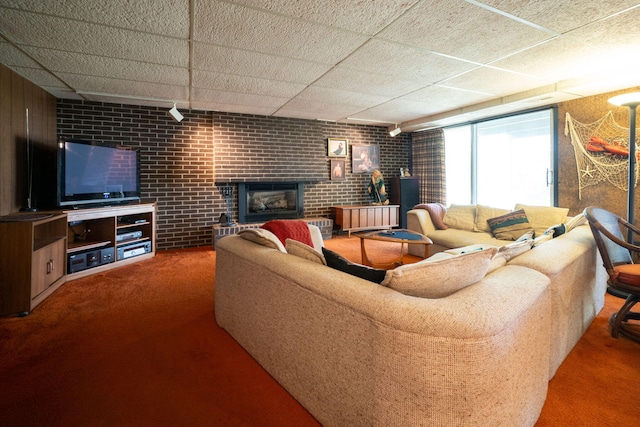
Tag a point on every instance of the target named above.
point(168, 17)
point(251, 29)
point(125, 87)
point(446, 97)
point(409, 108)
point(99, 66)
point(557, 59)
point(319, 108)
point(493, 81)
point(339, 96)
point(559, 15)
point(462, 30)
point(245, 63)
point(234, 98)
point(358, 81)
point(242, 84)
point(365, 17)
point(11, 56)
point(82, 37)
point(382, 116)
point(39, 76)
point(617, 37)
point(608, 83)
point(405, 62)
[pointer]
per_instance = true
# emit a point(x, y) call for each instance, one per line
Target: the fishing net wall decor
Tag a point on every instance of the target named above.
point(601, 150)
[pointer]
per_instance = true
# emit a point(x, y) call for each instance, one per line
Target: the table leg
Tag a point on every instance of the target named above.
point(363, 253)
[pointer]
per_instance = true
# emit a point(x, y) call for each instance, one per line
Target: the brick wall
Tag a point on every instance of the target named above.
point(181, 162)
point(253, 148)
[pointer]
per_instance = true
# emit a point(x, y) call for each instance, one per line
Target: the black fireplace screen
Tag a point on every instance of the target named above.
point(263, 201)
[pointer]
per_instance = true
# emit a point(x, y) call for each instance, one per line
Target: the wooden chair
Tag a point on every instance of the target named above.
point(608, 231)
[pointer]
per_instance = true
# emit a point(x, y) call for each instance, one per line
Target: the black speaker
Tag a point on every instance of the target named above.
point(405, 191)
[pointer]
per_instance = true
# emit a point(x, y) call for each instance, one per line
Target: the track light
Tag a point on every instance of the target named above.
point(395, 132)
point(175, 114)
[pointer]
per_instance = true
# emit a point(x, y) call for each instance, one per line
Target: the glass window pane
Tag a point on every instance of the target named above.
point(458, 164)
point(513, 159)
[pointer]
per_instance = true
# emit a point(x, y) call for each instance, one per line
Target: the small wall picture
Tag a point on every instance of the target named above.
point(338, 169)
point(338, 147)
point(365, 158)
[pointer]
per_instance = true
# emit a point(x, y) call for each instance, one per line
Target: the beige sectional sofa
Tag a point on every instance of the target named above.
point(353, 352)
point(571, 261)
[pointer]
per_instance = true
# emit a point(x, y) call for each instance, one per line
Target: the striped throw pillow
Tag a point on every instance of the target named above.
point(510, 226)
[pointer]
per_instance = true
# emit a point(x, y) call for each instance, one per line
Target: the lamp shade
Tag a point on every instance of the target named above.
point(626, 99)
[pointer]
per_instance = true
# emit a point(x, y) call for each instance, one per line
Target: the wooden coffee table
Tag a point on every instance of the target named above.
point(401, 236)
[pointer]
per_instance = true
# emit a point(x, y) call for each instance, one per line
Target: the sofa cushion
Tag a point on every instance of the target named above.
point(262, 237)
point(440, 278)
point(461, 217)
point(335, 260)
point(510, 226)
point(543, 217)
point(483, 213)
point(301, 250)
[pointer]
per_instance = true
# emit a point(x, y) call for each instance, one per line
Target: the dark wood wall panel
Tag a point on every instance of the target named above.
point(16, 95)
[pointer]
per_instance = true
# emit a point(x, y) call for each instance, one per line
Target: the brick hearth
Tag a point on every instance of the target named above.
point(325, 225)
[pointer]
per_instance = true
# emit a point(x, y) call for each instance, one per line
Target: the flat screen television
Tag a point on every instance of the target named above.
point(91, 172)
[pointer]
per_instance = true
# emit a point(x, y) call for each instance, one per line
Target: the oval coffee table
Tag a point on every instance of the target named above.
point(401, 236)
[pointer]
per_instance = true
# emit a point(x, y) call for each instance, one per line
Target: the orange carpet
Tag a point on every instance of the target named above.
point(139, 346)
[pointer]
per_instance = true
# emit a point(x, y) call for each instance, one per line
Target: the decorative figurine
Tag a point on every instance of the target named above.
point(376, 190)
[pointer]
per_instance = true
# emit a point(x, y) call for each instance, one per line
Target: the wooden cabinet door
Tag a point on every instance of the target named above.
point(47, 266)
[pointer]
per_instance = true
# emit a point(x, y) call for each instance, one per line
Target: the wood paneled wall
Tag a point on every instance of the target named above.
point(16, 96)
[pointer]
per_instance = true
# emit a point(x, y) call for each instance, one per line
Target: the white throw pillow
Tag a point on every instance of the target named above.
point(438, 279)
point(302, 250)
point(514, 249)
point(262, 237)
point(574, 222)
point(461, 217)
point(469, 248)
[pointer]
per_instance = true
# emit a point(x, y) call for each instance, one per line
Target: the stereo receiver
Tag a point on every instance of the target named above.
point(133, 249)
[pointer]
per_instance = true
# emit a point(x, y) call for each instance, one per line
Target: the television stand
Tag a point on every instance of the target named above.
point(105, 237)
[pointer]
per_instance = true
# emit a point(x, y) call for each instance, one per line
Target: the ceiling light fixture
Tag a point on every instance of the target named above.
point(631, 100)
point(175, 114)
point(396, 131)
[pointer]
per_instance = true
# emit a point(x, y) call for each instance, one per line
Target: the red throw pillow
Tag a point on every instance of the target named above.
point(289, 229)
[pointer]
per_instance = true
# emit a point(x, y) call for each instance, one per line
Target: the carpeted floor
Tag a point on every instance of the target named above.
point(139, 346)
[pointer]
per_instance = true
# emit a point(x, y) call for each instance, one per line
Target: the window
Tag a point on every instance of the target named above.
point(501, 162)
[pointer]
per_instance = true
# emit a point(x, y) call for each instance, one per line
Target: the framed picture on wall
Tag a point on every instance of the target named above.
point(364, 158)
point(338, 147)
point(338, 169)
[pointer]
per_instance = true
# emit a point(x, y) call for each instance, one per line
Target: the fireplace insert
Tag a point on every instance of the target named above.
point(264, 201)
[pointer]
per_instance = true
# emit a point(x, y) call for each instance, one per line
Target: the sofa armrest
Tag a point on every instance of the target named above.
point(419, 220)
point(316, 237)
